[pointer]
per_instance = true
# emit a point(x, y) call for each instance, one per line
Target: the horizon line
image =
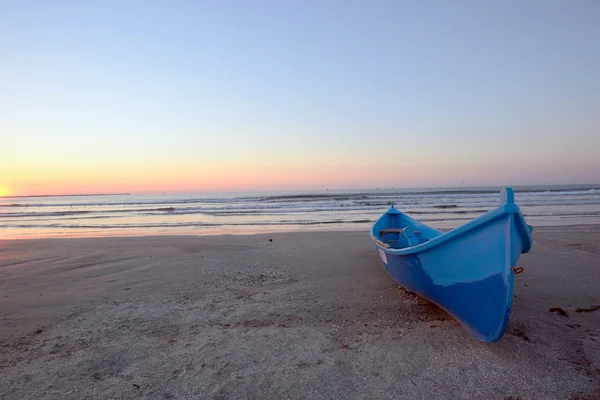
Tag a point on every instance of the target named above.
point(440, 188)
point(64, 195)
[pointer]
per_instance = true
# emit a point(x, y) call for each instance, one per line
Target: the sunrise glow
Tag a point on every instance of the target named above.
point(286, 107)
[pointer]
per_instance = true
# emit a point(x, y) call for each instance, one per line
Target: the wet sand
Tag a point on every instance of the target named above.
point(309, 315)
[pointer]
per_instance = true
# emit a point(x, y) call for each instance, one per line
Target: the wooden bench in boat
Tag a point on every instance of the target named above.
point(384, 232)
point(394, 242)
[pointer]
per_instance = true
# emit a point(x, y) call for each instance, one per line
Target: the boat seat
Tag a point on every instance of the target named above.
point(399, 231)
point(400, 241)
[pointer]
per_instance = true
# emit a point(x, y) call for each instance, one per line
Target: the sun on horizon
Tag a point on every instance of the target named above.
point(4, 191)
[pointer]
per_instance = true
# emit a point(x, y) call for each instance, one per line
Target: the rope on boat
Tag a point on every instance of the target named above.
point(517, 270)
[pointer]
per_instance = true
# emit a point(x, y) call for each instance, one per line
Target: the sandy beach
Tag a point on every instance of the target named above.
point(309, 315)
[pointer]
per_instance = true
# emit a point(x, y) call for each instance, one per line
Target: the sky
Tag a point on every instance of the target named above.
point(192, 96)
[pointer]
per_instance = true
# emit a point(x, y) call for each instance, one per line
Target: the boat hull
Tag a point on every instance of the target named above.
point(468, 272)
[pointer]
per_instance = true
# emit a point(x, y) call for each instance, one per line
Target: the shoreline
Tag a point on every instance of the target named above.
point(295, 211)
point(149, 233)
point(310, 314)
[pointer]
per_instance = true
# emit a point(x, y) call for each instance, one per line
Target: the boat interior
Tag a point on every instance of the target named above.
point(397, 231)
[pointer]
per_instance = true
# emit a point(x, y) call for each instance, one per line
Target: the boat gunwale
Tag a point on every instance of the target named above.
point(501, 211)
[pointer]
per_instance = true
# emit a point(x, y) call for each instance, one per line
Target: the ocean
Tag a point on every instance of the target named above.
point(256, 212)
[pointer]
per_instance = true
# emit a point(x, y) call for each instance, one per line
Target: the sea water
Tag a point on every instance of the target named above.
point(256, 212)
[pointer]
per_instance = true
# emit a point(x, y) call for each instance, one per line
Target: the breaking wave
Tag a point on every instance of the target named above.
point(325, 208)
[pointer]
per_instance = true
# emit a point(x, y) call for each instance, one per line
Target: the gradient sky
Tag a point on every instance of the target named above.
point(151, 96)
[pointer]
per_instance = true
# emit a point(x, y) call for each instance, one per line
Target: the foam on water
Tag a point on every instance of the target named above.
point(444, 208)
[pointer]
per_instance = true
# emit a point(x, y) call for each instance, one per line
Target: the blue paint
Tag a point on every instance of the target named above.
point(466, 271)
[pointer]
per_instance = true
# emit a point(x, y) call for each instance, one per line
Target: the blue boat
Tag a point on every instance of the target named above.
point(468, 271)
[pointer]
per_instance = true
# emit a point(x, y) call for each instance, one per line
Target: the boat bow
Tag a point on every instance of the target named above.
point(466, 271)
